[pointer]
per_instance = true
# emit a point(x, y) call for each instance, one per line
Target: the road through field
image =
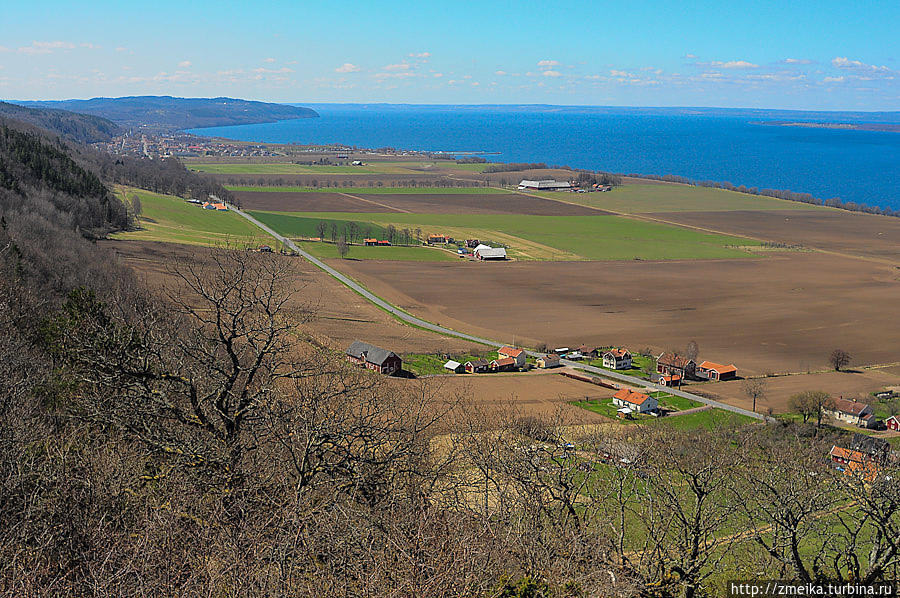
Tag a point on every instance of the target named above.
point(406, 317)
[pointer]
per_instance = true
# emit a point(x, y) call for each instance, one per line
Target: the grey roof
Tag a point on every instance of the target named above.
point(370, 353)
point(479, 362)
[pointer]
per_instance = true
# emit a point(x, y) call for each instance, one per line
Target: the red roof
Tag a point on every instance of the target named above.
point(618, 352)
point(505, 361)
point(510, 351)
point(717, 367)
point(630, 396)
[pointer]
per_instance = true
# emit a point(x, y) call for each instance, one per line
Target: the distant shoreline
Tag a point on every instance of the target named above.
point(885, 127)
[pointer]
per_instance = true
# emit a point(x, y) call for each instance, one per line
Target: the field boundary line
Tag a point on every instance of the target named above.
point(373, 202)
point(407, 317)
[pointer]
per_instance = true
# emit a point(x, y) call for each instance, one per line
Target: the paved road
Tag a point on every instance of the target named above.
point(406, 317)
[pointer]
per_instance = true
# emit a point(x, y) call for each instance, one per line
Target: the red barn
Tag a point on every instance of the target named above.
point(893, 423)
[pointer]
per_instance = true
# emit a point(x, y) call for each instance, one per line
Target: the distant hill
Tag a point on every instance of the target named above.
point(83, 128)
point(170, 113)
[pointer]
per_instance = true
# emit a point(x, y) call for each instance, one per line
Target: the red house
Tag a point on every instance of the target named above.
point(374, 358)
point(892, 423)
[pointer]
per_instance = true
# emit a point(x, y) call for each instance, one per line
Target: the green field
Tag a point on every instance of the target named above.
point(425, 364)
point(172, 219)
point(375, 190)
point(392, 253)
point(646, 199)
point(600, 237)
point(281, 168)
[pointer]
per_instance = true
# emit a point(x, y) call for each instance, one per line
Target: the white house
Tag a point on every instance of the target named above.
point(636, 401)
point(851, 412)
point(617, 359)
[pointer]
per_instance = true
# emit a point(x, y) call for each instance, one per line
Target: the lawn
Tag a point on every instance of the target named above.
point(375, 190)
point(425, 364)
point(710, 419)
point(393, 253)
point(637, 362)
point(172, 219)
point(550, 238)
point(645, 199)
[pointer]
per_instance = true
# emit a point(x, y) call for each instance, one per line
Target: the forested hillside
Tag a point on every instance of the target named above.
point(169, 113)
point(82, 128)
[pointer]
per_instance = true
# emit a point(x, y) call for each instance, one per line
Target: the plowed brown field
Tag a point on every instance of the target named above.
point(785, 312)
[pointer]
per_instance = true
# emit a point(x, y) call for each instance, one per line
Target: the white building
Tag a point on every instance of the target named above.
point(486, 252)
point(544, 185)
point(617, 359)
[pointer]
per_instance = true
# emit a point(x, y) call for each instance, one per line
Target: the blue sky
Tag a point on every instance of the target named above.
point(767, 54)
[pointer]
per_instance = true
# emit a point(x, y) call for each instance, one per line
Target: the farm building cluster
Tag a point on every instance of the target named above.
point(554, 185)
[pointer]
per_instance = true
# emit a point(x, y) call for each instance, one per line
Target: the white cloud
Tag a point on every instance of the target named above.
point(552, 74)
point(37, 47)
point(796, 61)
point(548, 63)
point(185, 64)
point(438, 75)
point(4, 49)
point(833, 79)
point(121, 49)
point(842, 62)
point(421, 55)
point(621, 74)
point(690, 56)
point(347, 67)
point(394, 75)
point(270, 59)
point(263, 70)
point(501, 73)
point(402, 66)
point(733, 64)
point(593, 77)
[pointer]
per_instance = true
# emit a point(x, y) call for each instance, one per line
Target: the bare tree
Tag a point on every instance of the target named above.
point(343, 247)
point(754, 389)
point(692, 350)
point(811, 404)
point(839, 359)
point(189, 387)
point(321, 228)
point(136, 207)
point(334, 232)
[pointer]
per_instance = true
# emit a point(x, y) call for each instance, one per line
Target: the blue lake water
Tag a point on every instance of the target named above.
point(703, 144)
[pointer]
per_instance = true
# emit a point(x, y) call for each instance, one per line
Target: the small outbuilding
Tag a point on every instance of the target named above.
point(716, 371)
point(455, 367)
point(477, 366)
point(503, 364)
point(550, 360)
point(893, 423)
